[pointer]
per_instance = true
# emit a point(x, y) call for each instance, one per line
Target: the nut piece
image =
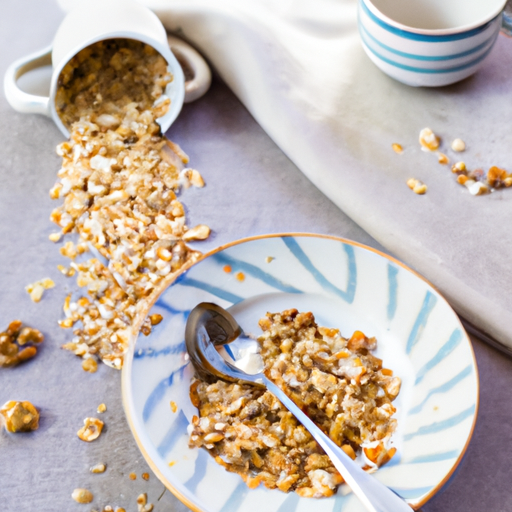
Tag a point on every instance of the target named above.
point(476, 188)
point(90, 365)
point(442, 158)
point(458, 145)
point(91, 430)
point(55, 237)
point(82, 495)
point(142, 503)
point(496, 177)
point(36, 290)
point(98, 468)
point(29, 335)
point(20, 416)
point(200, 232)
point(416, 186)
point(155, 319)
point(459, 167)
point(397, 148)
point(12, 339)
point(429, 140)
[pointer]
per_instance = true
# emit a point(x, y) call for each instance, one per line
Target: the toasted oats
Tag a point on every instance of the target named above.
point(118, 183)
point(397, 148)
point(98, 468)
point(82, 496)
point(36, 290)
point(458, 145)
point(429, 140)
point(91, 430)
point(349, 397)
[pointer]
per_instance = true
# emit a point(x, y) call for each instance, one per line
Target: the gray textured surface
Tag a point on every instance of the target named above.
point(247, 176)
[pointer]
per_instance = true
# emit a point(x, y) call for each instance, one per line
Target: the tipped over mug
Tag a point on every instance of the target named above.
point(429, 42)
point(98, 20)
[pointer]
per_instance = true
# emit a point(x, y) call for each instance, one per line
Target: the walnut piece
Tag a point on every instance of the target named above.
point(20, 416)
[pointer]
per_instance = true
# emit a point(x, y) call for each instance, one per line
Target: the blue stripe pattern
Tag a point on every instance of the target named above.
point(392, 290)
point(426, 58)
point(442, 425)
point(290, 503)
point(236, 499)
point(199, 471)
point(349, 293)
point(421, 320)
point(443, 388)
point(214, 290)
point(405, 305)
point(423, 37)
point(176, 430)
point(158, 393)
point(452, 343)
point(429, 70)
point(254, 271)
point(433, 457)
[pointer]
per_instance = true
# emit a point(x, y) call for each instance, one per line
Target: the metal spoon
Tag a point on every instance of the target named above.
point(209, 325)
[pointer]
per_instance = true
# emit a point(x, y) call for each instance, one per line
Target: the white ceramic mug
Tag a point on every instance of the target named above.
point(96, 20)
point(429, 42)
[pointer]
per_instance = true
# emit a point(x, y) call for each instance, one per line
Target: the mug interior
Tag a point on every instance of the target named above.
point(175, 90)
point(439, 14)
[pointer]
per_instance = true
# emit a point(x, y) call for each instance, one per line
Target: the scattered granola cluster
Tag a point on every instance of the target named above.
point(91, 430)
point(477, 181)
point(15, 337)
point(336, 381)
point(36, 290)
point(20, 416)
point(118, 180)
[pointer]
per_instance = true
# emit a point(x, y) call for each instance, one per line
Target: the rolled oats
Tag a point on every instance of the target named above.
point(82, 495)
point(91, 430)
point(336, 381)
point(458, 145)
point(36, 290)
point(429, 140)
point(118, 182)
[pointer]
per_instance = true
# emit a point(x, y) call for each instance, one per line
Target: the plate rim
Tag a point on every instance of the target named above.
point(171, 278)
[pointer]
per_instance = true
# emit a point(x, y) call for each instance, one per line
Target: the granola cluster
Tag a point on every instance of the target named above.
point(17, 343)
point(336, 381)
point(477, 181)
point(118, 182)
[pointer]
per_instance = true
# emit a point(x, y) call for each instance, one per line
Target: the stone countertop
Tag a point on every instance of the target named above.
point(245, 173)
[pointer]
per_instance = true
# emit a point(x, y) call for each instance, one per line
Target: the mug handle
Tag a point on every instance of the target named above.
point(198, 76)
point(18, 99)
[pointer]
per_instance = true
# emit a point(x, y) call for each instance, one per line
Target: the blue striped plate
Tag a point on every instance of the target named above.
point(345, 285)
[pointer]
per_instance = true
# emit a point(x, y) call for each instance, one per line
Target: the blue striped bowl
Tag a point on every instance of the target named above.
point(346, 285)
point(425, 56)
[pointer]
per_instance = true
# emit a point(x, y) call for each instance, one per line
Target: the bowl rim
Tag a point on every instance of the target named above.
point(448, 33)
point(126, 387)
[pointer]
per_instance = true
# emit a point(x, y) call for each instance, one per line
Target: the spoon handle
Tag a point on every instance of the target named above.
point(376, 497)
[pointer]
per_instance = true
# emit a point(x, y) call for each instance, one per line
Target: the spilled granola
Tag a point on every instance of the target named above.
point(118, 182)
point(338, 382)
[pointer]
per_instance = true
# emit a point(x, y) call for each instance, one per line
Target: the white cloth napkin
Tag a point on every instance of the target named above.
point(299, 68)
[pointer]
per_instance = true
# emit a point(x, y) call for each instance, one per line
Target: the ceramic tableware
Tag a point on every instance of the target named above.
point(429, 42)
point(96, 20)
point(346, 285)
